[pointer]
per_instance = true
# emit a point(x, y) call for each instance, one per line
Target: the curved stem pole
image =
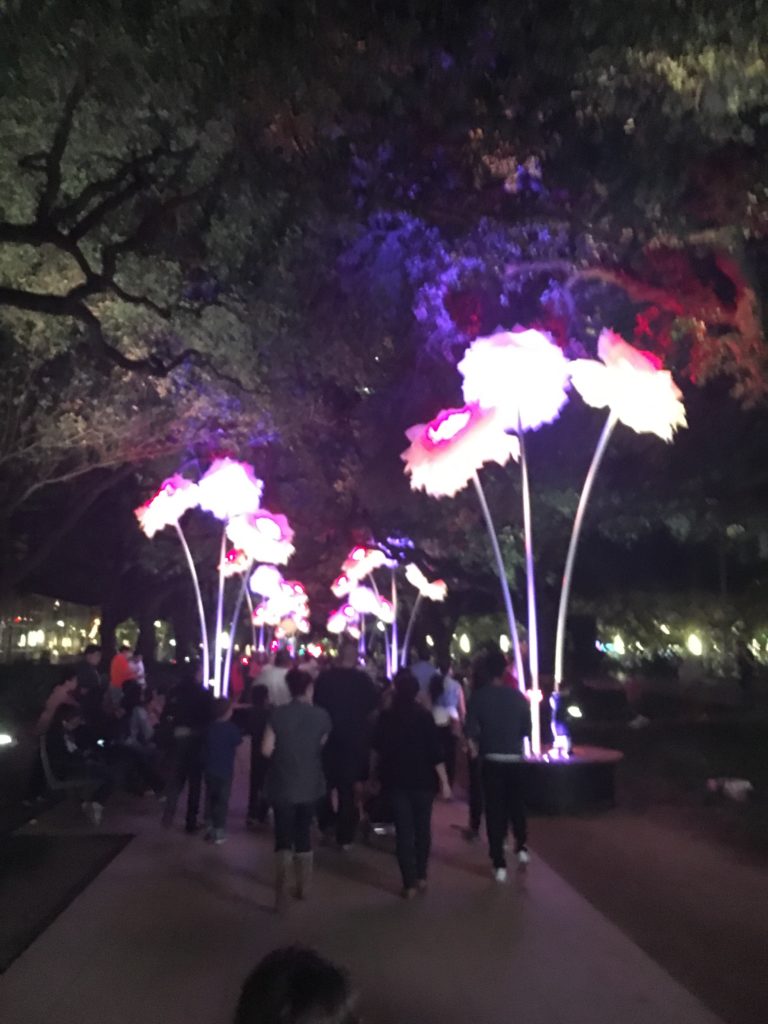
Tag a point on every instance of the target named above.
point(409, 629)
point(578, 522)
point(249, 602)
point(530, 580)
point(233, 630)
point(219, 619)
point(375, 589)
point(361, 648)
point(198, 599)
point(262, 646)
point(504, 582)
point(392, 668)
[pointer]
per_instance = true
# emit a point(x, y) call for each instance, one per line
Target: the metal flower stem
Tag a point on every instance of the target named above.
point(361, 649)
point(409, 629)
point(249, 602)
point(262, 648)
point(198, 599)
point(392, 668)
point(219, 619)
point(375, 589)
point(533, 628)
point(233, 628)
point(578, 522)
point(518, 654)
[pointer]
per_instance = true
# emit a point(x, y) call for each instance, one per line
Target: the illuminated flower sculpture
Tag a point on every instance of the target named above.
point(263, 536)
point(266, 580)
point(437, 590)
point(522, 375)
point(446, 453)
point(638, 393)
point(230, 491)
point(175, 496)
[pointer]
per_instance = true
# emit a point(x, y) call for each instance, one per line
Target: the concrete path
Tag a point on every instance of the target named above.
point(167, 933)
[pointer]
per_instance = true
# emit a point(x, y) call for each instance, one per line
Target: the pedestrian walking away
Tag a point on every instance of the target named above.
point(293, 741)
point(498, 720)
point(409, 763)
point(222, 738)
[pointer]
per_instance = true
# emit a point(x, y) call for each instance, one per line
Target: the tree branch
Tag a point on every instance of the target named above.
point(58, 147)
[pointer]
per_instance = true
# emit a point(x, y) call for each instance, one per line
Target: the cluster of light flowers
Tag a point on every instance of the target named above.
point(361, 600)
point(231, 492)
point(517, 381)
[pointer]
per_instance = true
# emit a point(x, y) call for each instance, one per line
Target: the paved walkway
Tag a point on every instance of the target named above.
point(167, 933)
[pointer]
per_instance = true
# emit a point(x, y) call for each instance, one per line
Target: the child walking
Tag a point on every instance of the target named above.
point(221, 742)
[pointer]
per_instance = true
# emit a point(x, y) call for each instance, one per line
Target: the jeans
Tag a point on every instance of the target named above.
point(448, 743)
point(346, 817)
point(475, 794)
point(504, 805)
point(413, 833)
point(187, 771)
point(257, 804)
point(216, 803)
point(292, 825)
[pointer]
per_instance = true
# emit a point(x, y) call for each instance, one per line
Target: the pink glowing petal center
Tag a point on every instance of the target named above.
point(445, 428)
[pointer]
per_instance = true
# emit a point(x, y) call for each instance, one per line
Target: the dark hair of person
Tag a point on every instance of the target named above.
point(490, 664)
point(298, 682)
point(91, 649)
point(436, 686)
point(406, 689)
point(283, 658)
point(220, 707)
point(259, 695)
point(296, 986)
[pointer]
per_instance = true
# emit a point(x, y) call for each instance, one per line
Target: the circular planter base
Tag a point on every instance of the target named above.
point(584, 782)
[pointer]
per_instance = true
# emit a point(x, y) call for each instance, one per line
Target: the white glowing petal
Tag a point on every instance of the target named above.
point(444, 466)
point(360, 562)
point(337, 623)
point(364, 601)
point(229, 489)
point(435, 591)
point(385, 612)
point(263, 536)
point(175, 496)
point(235, 563)
point(341, 586)
point(521, 374)
point(266, 580)
point(640, 395)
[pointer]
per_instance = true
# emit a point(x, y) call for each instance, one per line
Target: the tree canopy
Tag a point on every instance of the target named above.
point(272, 229)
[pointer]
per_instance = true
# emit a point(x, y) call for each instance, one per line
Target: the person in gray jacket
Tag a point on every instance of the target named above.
point(498, 720)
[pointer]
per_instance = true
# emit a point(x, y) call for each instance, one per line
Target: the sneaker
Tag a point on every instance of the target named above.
point(407, 894)
point(218, 840)
point(523, 857)
point(500, 874)
point(97, 813)
point(421, 885)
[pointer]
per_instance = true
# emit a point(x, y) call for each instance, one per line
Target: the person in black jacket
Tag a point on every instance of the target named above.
point(409, 763)
point(190, 712)
point(69, 759)
point(498, 720)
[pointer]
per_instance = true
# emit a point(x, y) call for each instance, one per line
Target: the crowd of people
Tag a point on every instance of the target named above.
point(327, 745)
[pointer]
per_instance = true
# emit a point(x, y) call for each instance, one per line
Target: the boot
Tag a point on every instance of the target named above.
point(282, 862)
point(304, 863)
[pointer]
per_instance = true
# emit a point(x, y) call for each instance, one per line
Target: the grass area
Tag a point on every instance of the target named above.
point(666, 766)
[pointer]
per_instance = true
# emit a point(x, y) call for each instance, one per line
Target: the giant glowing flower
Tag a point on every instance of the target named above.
point(263, 536)
point(434, 591)
point(338, 622)
point(341, 586)
point(266, 580)
point(361, 561)
point(230, 489)
point(175, 496)
point(632, 385)
point(445, 453)
point(523, 375)
point(235, 562)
